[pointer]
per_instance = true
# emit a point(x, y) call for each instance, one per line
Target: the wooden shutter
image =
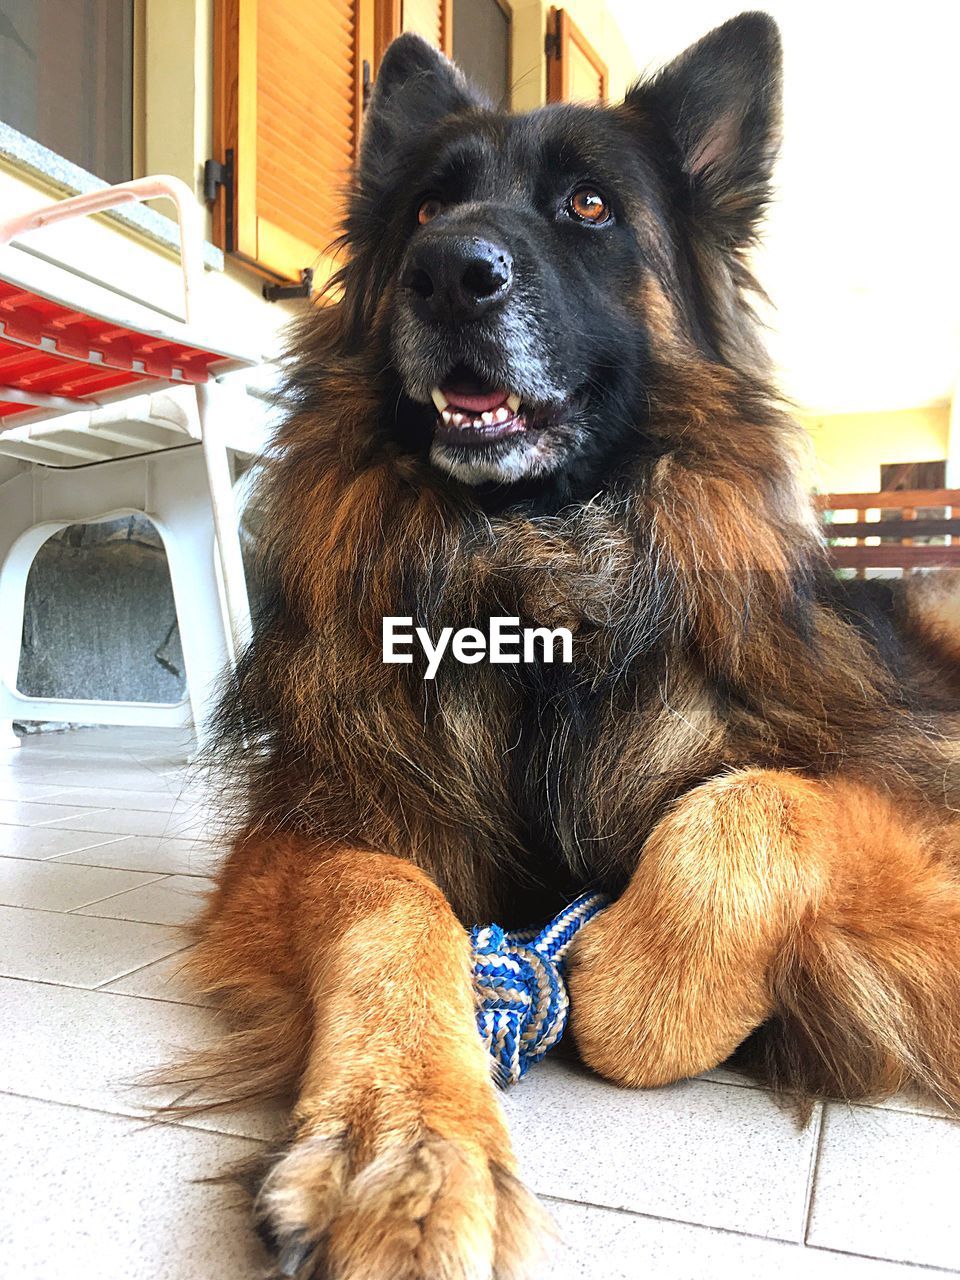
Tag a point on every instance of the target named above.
point(288, 103)
point(575, 71)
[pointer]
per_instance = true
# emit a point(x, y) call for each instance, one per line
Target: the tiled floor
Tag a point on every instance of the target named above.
point(106, 841)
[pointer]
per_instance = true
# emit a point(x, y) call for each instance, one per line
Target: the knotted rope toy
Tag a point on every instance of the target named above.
point(521, 992)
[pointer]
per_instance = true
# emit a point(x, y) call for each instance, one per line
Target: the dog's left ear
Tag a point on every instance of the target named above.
point(416, 88)
point(721, 101)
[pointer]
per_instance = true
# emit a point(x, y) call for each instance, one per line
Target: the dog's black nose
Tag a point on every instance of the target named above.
point(457, 277)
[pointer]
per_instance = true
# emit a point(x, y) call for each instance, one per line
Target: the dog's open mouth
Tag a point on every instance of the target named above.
point(471, 412)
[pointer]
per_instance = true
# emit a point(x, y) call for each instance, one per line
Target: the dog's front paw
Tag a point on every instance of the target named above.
point(420, 1207)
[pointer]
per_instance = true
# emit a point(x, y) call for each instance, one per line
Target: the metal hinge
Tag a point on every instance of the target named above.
point(279, 292)
point(215, 176)
point(551, 41)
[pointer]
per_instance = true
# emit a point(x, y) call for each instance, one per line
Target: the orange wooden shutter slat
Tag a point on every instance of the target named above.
point(286, 134)
point(337, 27)
point(318, 68)
point(277, 51)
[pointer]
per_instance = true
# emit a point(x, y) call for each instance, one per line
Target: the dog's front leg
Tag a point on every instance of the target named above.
point(671, 978)
point(400, 1165)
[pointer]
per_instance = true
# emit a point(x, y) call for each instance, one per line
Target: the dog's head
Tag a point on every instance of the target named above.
point(521, 269)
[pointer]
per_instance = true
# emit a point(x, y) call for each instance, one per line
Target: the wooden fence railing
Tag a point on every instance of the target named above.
point(908, 520)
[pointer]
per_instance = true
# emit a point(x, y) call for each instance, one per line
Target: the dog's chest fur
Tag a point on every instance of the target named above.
point(570, 764)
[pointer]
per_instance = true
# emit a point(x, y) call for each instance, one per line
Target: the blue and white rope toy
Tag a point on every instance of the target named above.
point(521, 992)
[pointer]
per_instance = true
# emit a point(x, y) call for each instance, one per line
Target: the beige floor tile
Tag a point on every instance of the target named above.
point(122, 822)
point(161, 980)
point(170, 900)
point(52, 886)
point(98, 1197)
point(82, 951)
point(150, 853)
point(47, 842)
point(95, 1048)
point(886, 1185)
point(696, 1151)
point(600, 1244)
point(90, 1048)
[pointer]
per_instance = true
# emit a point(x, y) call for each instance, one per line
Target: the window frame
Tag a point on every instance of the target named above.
point(562, 32)
point(389, 24)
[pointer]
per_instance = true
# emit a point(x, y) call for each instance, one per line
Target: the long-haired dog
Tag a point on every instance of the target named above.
point(540, 394)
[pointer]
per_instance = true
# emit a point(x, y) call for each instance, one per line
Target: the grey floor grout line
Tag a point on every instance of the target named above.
point(144, 1122)
point(165, 834)
point(155, 878)
point(63, 859)
point(812, 1169)
point(97, 866)
point(123, 995)
point(892, 1262)
point(659, 1217)
point(748, 1235)
point(70, 811)
point(85, 848)
point(101, 988)
point(47, 911)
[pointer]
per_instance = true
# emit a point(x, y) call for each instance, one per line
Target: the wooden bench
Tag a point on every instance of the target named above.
point(907, 516)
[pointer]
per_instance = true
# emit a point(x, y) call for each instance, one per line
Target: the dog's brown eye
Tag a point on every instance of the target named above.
point(429, 210)
point(588, 205)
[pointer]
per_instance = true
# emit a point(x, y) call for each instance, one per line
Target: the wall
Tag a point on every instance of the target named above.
point(861, 254)
point(851, 447)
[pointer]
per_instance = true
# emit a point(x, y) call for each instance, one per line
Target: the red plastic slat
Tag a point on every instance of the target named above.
point(28, 318)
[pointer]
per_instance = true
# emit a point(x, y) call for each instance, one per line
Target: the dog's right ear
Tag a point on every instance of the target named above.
point(416, 88)
point(720, 101)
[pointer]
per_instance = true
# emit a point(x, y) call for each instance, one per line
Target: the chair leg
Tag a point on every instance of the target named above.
point(181, 504)
point(210, 407)
point(16, 556)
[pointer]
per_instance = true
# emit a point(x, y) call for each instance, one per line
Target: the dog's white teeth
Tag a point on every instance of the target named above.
point(439, 399)
point(487, 419)
point(459, 419)
point(513, 403)
point(446, 415)
point(503, 414)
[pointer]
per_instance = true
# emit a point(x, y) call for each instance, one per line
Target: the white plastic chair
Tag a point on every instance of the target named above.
point(119, 450)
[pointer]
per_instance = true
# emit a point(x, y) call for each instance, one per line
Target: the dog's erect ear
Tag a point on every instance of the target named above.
point(416, 88)
point(721, 101)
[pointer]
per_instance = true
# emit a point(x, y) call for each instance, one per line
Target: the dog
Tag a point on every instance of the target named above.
point(539, 392)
